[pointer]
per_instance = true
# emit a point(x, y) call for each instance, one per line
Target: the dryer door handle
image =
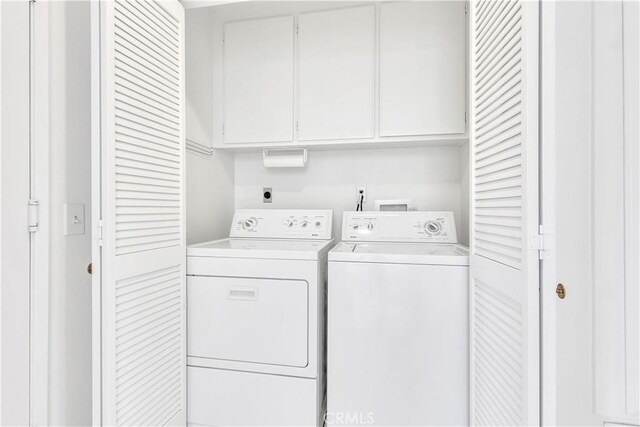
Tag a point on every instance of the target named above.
point(245, 294)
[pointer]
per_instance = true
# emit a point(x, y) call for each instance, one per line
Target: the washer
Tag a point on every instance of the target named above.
point(398, 321)
point(256, 320)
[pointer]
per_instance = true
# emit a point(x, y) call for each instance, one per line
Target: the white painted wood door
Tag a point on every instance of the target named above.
point(594, 337)
point(336, 74)
point(505, 200)
point(139, 288)
point(258, 80)
point(422, 68)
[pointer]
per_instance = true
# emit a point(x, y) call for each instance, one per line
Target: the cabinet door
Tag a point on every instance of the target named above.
point(258, 80)
point(422, 68)
point(336, 73)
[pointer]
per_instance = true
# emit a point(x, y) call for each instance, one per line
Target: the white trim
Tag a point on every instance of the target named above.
point(96, 215)
point(0, 217)
point(548, 297)
point(193, 4)
point(531, 124)
point(631, 135)
point(39, 189)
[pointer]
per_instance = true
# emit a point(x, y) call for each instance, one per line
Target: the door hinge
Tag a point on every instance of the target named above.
point(466, 8)
point(297, 126)
point(297, 28)
point(543, 243)
point(99, 232)
point(34, 215)
point(466, 117)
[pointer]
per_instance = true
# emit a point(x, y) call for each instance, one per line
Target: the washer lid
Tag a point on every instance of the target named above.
point(261, 248)
point(401, 253)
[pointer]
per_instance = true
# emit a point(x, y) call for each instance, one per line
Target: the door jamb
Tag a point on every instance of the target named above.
point(39, 190)
point(96, 213)
point(548, 298)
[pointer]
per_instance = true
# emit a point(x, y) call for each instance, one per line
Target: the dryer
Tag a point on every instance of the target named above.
point(256, 307)
point(398, 335)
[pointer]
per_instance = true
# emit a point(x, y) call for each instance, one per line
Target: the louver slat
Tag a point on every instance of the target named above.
point(148, 325)
point(497, 386)
point(143, 348)
point(498, 129)
point(504, 274)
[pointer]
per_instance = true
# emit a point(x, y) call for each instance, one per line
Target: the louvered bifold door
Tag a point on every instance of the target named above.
point(504, 258)
point(143, 344)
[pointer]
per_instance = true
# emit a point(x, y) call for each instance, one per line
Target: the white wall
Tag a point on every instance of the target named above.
point(431, 176)
point(209, 180)
point(465, 201)
point(70, 181)
point(209, 196)
point(14, 236)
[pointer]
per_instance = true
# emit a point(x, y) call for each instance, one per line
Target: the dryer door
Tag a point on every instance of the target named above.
point(248, 320)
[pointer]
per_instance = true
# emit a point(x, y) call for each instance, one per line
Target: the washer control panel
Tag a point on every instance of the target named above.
point(282, 224)
point(414, 226)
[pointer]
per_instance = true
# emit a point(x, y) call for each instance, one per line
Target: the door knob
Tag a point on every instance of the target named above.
point(90, 268)
point(560, 291)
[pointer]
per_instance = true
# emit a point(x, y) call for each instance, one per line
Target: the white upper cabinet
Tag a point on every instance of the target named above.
point(258, 80)
point(313, 74)
point(336, 53)
point(422, 68)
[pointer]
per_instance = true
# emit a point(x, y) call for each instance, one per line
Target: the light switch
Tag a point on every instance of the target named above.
point(73, 219)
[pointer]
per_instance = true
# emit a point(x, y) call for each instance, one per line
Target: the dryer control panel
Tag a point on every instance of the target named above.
point(282, 224)
point(414, 226)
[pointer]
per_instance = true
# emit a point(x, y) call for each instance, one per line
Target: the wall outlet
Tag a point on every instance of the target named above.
point(361, 193)
point(267, 195)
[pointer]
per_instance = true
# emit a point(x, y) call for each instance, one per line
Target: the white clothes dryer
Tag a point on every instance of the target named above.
point(256, 331)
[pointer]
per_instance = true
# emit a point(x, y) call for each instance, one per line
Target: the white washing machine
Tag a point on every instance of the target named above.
point(398, 350)
point(256, 333)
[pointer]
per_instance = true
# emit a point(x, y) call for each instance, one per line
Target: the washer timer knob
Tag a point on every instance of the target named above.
point(433, 228)
point(304, 223)
point(249, 223)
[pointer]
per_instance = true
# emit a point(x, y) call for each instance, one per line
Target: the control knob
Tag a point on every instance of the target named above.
point(433, 228)
point(249, 223)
